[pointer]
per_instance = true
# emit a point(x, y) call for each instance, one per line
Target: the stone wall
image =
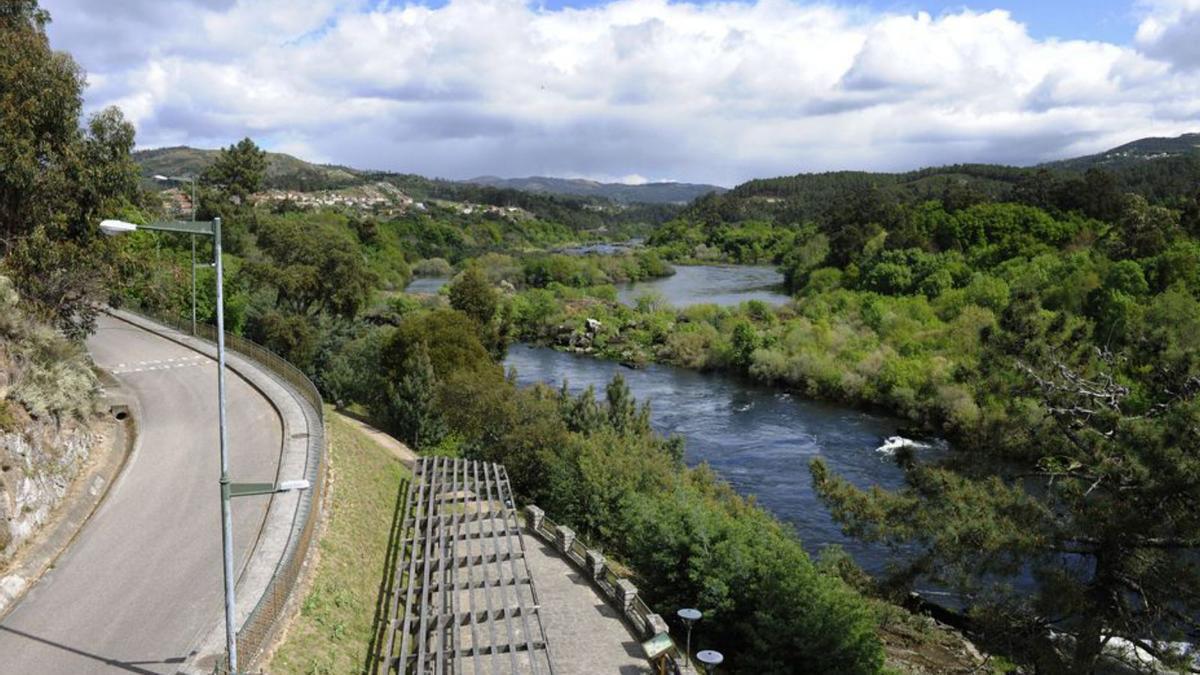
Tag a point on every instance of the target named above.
point(38, 461)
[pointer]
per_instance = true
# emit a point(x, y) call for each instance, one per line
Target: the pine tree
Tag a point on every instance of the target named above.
point(1103, 518)
point(412, 402)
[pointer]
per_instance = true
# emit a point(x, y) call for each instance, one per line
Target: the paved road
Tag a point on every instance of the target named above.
point(142, 582)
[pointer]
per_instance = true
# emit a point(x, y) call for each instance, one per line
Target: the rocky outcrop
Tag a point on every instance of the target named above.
point(38, 461)
point(48, 395)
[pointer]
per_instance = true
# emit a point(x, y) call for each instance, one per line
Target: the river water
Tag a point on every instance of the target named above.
point(426, 284)
point(759, 439)
point(716, 284)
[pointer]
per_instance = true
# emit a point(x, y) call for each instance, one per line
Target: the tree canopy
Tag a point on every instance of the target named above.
point(59, 177)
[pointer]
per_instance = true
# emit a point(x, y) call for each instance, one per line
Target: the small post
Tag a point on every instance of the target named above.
point(565, 537)
point(533, 518)
point(656, 625)
point(689, 616)
point(595, 564)
point(193, 281)
point(626, 594)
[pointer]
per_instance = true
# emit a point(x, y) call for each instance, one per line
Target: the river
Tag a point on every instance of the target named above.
point(758, 438)
point(426, 284)
point(717, 284)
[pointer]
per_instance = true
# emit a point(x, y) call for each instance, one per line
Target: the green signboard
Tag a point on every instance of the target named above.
point(658, 645)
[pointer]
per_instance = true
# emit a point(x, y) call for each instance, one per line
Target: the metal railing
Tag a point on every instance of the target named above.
point(248, 348)
point(259, 626)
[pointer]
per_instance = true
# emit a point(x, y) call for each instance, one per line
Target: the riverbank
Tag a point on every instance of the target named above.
point(894, 355)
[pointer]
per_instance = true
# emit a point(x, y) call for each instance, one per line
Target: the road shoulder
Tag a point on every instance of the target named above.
point(84, 497)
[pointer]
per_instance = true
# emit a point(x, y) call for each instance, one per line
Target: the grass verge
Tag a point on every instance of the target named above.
point(337, 621)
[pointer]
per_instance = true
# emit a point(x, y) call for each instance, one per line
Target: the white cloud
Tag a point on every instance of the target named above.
point(1170, 30)
point(648, 88)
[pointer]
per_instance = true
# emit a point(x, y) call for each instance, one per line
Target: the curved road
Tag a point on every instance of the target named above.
point(141, 584)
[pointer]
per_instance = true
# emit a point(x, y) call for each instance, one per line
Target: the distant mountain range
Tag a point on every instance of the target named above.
point(645, 193)
point(288, 172)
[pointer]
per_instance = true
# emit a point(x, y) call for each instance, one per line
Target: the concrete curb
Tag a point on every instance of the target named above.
point(281, 519)
point(85, 496)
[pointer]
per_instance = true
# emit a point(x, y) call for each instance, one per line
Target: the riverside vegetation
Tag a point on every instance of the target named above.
point(1045, 320)
point(1054, 342)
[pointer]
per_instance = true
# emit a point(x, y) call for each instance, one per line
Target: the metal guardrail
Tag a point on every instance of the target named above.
point(251, 350)
point(256, 631)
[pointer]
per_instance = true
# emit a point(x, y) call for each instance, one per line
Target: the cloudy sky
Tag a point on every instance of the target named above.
point(642, 89)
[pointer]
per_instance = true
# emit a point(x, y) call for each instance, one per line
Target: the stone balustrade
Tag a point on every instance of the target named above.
point(621, 593)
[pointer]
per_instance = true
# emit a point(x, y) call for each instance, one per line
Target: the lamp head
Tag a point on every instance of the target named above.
point(115, 227)
point(289, 485)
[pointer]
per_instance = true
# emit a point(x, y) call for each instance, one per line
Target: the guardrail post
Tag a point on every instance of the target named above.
point(595, 563)
point(656, 625)
point(533, 518)
point(626, 594)
point(565, 537)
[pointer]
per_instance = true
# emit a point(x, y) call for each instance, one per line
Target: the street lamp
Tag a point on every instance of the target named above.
point(710, 658)
point(180, 179)
point(689, 616)
point(228, 489)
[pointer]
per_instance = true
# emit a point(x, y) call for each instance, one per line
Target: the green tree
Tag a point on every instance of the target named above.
point(291, 336)
point(472, 295)
point(238, 171)
point(313, 267)
point(58, 179)
point(1143, 230)
point(623, 412)
point(412, 402)
point(1104, 520)
point(744, 341)
point(452, 342)
point(810, 252)
point(40, 101)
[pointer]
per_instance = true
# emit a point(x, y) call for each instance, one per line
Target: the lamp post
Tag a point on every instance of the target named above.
point(689, 616)
point(228, 489)
point(181, 179)
point(711, 659)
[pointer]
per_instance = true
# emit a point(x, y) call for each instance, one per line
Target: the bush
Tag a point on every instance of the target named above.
point(49, 375)
point(433, 267)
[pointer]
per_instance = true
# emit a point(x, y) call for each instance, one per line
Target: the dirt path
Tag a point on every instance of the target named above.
point(400, 450)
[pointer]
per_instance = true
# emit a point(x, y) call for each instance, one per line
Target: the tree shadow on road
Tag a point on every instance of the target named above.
point(387, 583)
point(129, 666)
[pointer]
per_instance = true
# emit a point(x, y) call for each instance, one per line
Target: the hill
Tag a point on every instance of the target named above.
point(1164, 170)
point(283, 171)
point(1129, 154)
point(645, 193)
point(805, 196)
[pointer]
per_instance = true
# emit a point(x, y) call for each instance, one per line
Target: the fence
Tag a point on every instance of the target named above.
point(256, 631)
point(616, 590)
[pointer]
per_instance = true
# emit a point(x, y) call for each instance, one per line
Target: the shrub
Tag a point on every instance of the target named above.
point(433, 267)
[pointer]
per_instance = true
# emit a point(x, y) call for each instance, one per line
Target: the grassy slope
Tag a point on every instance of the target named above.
point(334, 628)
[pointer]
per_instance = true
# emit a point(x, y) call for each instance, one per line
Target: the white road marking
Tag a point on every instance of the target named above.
point(162, 364)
